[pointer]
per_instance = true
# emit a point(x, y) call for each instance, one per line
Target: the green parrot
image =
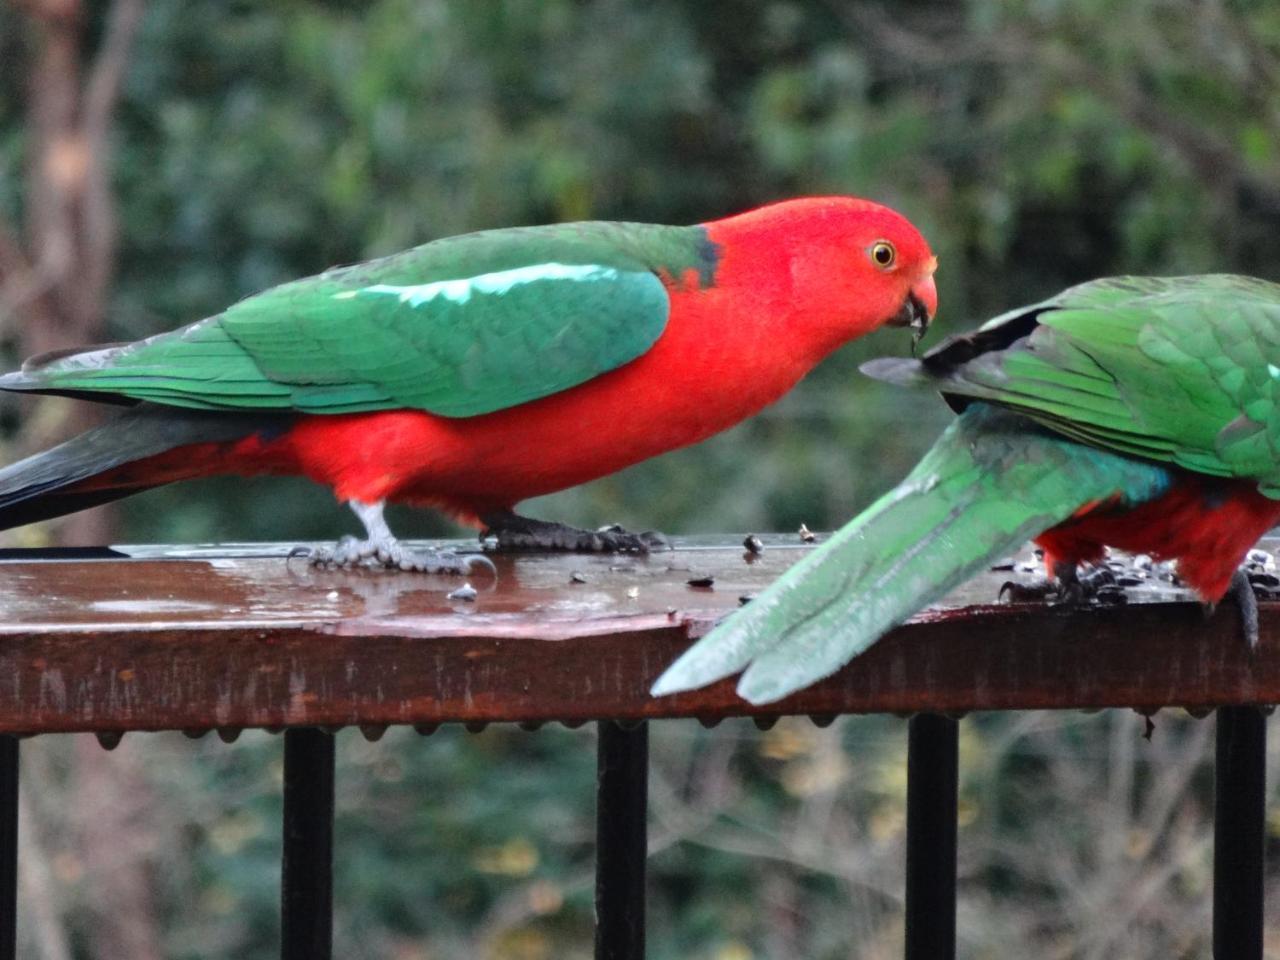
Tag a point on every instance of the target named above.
point(1140, 413)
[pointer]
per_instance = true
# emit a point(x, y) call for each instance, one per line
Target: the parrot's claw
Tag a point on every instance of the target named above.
point(351, 552)
point(514, 532)
point(1068, 588)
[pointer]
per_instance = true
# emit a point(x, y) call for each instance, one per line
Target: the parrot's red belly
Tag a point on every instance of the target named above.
point(689, 386)
point(1207, 524)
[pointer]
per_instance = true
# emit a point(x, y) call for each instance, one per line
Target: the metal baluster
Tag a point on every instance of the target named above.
point(622, 804)
point(932, 778)
point(1240, 780)
point(8, 847)
point(306, 882)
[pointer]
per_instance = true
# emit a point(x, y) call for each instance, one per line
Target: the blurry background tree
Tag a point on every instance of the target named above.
point(158, 162)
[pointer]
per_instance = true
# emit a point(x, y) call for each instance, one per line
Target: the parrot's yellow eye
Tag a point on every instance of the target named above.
point(883, 254)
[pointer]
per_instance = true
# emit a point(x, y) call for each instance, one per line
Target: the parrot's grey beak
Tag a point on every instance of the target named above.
point(915, 315)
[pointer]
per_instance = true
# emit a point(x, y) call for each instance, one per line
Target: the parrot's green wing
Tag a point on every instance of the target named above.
point(459, 327)
point(1184, 370)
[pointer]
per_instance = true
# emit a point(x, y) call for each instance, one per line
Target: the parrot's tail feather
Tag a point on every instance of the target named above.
point(110, 461)
point(23, 381)
point(992, 481)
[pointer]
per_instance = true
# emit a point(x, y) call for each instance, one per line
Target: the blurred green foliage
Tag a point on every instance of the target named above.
point(1037, 143)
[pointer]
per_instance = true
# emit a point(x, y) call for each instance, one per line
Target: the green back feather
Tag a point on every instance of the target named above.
point(459, 327)
point(1184, 370)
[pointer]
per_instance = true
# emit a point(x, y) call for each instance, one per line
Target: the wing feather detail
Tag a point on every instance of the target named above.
point(460, 327)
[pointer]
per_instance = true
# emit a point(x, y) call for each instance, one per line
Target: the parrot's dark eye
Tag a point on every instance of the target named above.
point(883, 254)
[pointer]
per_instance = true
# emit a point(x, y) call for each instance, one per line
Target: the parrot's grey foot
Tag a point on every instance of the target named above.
point(514, 532)
point(1013, 591)
point(351, 552)
point(380, 548)
point(1260, 568)
point(1242, 592)
point(1068, 588)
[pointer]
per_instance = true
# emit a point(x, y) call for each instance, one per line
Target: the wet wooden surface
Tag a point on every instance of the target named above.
point(237, 636)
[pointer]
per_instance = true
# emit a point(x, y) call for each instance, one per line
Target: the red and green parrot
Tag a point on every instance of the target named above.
point(474, 372)
point(1139, 413)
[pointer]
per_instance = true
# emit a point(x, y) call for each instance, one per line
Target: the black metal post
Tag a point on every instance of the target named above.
point(622, 807)
point(306, 881)
point(8, 847)
point(1240, 782)
point(933, 765)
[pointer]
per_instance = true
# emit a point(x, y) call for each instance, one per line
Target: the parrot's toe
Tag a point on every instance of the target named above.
point(514, 532)
point(1098, 585)
point(1067, 588)
point(442, 561)
point(391, 554)
point(617, 539)
point(1012, 591)
point(350, 550)
point(344, 553)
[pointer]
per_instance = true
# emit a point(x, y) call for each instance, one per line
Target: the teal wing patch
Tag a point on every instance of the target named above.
point(456, 347)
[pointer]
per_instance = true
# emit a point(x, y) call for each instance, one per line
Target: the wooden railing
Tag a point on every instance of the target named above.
point(229, 637)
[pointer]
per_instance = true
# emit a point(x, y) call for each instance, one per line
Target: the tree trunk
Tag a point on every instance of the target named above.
point(55, 280)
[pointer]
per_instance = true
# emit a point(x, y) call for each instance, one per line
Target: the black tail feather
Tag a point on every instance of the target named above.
point(36, 508)
point(44, 485)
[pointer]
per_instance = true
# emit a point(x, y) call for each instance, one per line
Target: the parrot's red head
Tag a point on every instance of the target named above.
point(837, 267)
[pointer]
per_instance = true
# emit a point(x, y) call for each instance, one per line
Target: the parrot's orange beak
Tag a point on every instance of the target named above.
point(926, 291)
